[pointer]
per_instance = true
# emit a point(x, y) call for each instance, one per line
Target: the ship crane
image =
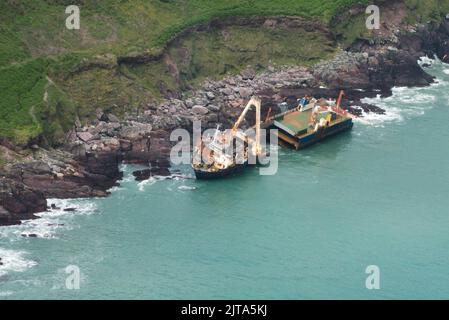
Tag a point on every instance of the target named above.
point(254, 102)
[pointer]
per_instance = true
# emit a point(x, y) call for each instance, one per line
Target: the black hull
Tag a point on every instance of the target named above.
point(207, 175)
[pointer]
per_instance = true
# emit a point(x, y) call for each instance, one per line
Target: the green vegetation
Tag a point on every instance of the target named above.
point(418, 11)
point(219, 52)
point(37, 28)
point(422, 11)
point(22, 88)
point(42, 88)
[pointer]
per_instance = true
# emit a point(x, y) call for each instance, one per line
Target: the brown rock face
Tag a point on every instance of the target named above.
point(144, 150)
point(18, 202)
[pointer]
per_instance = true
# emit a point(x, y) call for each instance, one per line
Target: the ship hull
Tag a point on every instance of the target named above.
point(211, 175)
point(324, 133)
point(307, 140)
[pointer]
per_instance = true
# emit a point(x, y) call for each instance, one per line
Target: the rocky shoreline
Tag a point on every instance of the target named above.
point(87, 165)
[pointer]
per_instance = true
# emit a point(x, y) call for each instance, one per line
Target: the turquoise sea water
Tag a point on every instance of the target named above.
point(378, 195)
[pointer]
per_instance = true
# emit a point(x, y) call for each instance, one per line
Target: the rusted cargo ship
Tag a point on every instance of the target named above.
point(212, 158)
point(311, 121)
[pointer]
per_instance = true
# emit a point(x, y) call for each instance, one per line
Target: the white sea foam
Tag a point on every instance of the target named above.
point(152, 180)
point(14, 261)
point(439, 83)
point(145, 183)
point(405, 102)
point(51, 221)
point(80, 207)
point(186, 188)
point(378, 120)
point(115, 189)
point(127, 178)
point(427, 61)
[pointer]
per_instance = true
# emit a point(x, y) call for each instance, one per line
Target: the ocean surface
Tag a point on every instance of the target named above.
point(378, 195)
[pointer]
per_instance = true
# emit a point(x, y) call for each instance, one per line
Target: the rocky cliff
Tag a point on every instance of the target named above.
point(86, 162)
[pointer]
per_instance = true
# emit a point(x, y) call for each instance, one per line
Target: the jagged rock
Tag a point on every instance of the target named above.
point(212, 118)
point(85, 136)
point(236, 103)
point(227, 91)
point(19, 202)
point(99, 113)
point(189, 103)
point(248, 74)
point(213, 108)
point(113, 118)
point(29, 235)
point(125, 145)
point(105, 128)
point(142, 175)
point(135, 131)
point(111, 143)
point(210, 95)
point(173, 109)
point(201, 100)
point(159, 167)
point(200, 110)
point(59, 175)
point(245, 93)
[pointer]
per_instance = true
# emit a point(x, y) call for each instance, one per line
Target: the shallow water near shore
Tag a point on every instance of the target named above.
point(375, 196)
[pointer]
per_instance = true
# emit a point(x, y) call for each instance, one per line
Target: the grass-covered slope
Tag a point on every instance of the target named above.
point(36, 28)
point(49, 74)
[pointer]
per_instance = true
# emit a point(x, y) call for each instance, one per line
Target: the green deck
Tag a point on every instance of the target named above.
point(296, 123)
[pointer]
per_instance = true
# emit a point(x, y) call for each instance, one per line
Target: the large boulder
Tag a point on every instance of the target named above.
point(135, 131)
point(210, 95)
point(85, 136)
point(199, 110)
point(245, 93)
point(148, 149)
point(19, 202)
point(248, 74)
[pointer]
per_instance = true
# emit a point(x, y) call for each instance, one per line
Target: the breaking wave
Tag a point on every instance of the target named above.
point(403, 104)
point(50, 222)
point(145, 183)
point(186, 188)
point(48, 226)
point(14, 261)
point(406, 103)
point(154, 179)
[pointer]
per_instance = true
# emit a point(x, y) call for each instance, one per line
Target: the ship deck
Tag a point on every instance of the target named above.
point(295, 129)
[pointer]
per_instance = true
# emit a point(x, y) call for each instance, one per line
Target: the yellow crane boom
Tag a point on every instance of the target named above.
point(253, 102)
